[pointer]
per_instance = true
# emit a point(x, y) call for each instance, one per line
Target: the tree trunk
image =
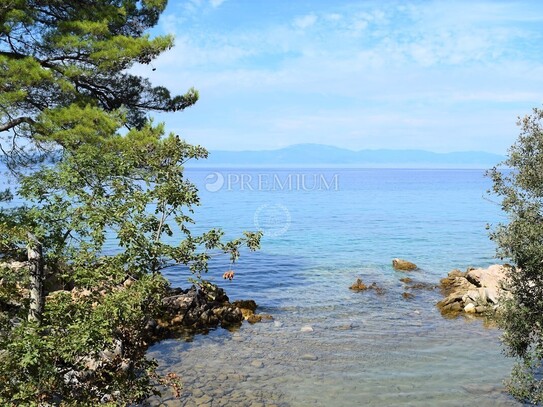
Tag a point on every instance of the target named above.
point(37, 297)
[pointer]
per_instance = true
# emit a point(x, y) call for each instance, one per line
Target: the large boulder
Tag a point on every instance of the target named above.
point(491, 277)
point(403, 265)
point(476, 291)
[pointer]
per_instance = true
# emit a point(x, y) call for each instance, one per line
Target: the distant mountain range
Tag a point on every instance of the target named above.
point(318, 155)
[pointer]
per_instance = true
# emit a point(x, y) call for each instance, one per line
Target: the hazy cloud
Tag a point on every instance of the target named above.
point(305, 21)
point(216, 3)
point(435, 75)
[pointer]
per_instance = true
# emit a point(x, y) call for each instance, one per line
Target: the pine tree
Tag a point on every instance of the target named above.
point(92, 166)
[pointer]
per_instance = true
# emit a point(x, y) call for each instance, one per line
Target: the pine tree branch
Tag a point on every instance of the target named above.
point(15, 122)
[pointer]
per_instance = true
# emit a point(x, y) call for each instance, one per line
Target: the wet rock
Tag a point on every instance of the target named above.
point(253, 319)
point(403, 265)
point(248, 309)
point(358, 285)
point(197, 308)
point(406, 280)
point(246, 304)
point(455, 307)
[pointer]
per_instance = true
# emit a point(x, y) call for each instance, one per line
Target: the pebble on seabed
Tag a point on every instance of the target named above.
point(257, 363)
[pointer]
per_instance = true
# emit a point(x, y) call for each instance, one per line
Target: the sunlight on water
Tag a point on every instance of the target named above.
point(363, 348)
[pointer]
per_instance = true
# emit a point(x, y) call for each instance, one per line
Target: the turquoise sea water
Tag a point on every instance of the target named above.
point(323, 229)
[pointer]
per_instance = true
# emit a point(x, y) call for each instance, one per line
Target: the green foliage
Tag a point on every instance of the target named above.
point(520, 188)
point(62, 55)
point(111, 175)
point(89, 347)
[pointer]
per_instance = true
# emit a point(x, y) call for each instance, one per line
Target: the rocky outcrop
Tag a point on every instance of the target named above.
point(403, 265)
point(475, 291)
point(195, 308)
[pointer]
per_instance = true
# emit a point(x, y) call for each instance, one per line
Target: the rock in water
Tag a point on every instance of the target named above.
point(245, 304)
point(403, 265)
point(195, 308)
point(477, 291)
point(358, 285)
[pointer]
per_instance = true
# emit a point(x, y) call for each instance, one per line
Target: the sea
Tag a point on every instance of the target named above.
point(328, 345)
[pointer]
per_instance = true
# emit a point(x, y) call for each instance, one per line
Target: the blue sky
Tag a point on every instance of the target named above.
point(436, 75)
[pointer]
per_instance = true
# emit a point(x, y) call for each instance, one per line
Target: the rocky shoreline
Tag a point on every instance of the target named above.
point(180, 313)
point(195, 309)
point(192, 309)
point(476, 291)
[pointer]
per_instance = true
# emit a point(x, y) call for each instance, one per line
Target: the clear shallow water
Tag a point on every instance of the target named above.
point(365, 348)
point(322, 232)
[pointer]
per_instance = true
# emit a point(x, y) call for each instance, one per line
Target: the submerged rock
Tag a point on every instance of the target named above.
point(403, 265)
point(378, 290)
point(253, 319)
point(407, 295)
point(360, 286)
point(417, 285)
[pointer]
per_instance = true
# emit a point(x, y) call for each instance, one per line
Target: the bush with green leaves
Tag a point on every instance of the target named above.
point(520, 186)
point(92, 168)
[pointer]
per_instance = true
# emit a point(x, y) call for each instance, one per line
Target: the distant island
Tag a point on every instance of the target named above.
point(318, 155)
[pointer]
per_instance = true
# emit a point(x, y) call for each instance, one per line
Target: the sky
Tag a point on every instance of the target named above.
point(441, 76)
